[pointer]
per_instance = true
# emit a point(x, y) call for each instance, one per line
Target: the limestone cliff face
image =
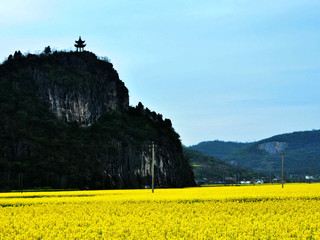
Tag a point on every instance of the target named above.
point(273, 147)
point(81, 88)
point(132, 167)
point(110, 149)
point(93, 90)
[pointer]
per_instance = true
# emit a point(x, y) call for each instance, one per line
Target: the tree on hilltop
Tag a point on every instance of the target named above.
point(47, 50)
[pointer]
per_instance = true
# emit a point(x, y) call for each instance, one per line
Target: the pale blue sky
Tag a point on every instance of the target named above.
point(230, 70)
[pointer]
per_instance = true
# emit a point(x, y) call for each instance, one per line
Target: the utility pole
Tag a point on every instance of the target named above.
point(152, 167)
point(20, 177)
point(282, 167)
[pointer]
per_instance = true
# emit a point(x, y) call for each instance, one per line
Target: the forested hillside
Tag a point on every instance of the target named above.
point(215, 170)
point(302, 154)
point(218, 149)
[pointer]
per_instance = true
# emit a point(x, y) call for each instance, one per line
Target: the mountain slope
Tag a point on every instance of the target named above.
point(218, 149)
point(66, 123)
point(213, 169)
point(302, 151)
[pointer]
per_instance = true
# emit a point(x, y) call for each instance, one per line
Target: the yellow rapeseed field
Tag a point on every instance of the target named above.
point(246, 212)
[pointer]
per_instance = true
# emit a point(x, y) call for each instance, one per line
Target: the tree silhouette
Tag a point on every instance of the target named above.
point(47, 50)
point(17, 55)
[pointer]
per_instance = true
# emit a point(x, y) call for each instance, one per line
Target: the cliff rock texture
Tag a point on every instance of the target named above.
point(80, 87)
point(273, 147)
point(66, 123)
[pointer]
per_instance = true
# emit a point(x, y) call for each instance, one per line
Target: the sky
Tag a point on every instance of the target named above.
point(219, 69)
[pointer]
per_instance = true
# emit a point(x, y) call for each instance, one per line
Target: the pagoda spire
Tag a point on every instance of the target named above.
point(80, 45)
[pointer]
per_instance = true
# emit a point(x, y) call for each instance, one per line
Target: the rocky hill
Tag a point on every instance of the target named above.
point(302, 154)
point(66, 123)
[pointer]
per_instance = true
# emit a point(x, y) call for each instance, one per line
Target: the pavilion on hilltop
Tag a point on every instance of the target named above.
point(80, 45)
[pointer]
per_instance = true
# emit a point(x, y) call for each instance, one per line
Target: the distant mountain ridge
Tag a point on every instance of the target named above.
point(302, 153)
point(218, 149)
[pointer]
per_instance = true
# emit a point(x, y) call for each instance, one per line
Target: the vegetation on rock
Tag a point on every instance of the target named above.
point(44, 142)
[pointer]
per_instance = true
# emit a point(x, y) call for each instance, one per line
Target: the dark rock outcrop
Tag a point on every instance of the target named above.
point(132, 167)
point(93, 87)
point(66, 122)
